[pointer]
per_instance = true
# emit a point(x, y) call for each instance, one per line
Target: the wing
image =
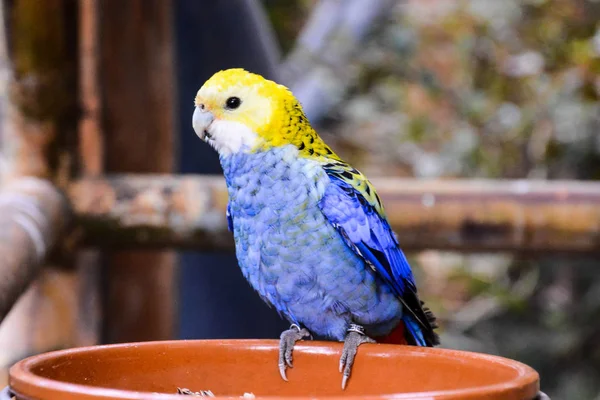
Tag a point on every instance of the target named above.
point(229, 219)
point(352, 206)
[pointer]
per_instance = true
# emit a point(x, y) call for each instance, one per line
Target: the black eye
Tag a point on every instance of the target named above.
point(233, 102)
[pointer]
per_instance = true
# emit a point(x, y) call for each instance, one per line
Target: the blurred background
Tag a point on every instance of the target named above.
point(426, 89)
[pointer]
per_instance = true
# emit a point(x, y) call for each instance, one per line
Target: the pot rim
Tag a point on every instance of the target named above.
point(22, 380)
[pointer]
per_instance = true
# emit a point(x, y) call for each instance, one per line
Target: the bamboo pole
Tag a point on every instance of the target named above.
point(464, 215)
point(38, 80)
point(32, 217)
point(38, 127)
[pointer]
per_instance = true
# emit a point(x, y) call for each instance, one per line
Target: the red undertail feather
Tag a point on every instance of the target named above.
point(394, 337)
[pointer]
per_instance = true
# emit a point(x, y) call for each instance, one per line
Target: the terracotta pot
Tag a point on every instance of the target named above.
point(153, 370)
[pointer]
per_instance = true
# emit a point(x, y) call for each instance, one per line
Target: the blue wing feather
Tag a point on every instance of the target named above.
point(229, 219)
point(366, 231)
point(369, 234)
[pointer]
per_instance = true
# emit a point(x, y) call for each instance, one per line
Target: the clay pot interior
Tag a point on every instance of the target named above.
point(233, 367)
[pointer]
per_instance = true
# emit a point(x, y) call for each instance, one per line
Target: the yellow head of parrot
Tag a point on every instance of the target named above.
point(236, 110)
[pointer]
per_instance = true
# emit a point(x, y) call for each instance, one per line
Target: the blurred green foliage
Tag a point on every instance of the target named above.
point(494, 89)
point(480, 88)
point(287, 18)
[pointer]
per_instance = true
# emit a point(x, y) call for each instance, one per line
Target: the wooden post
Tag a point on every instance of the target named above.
point(91, 163)
point(39, 130)
point(136, 60)
point(39, 124)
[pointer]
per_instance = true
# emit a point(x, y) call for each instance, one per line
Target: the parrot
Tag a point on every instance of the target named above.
point(311, 234)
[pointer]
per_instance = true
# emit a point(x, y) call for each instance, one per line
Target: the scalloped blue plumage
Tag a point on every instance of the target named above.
point(315, 249)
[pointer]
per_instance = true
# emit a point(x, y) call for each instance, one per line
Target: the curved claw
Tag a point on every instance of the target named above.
point(351, 343)
point(282, 372)
point(344, 381)
point(286, 346)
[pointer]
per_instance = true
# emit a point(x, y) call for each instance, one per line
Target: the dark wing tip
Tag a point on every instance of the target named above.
point(424, 316)
point(432, 338)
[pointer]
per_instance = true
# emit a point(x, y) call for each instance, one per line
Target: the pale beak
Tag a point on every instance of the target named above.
point(201, 121)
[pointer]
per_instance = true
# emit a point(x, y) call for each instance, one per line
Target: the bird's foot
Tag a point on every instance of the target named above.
point(355, 337)
point(286, 345)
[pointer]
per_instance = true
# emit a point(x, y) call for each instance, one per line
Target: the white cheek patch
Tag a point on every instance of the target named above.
point(229, 137)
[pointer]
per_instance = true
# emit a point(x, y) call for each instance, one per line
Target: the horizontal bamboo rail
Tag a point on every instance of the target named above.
point(33, 215)
point(129, 211)
point(154, 211)
point(464, 215)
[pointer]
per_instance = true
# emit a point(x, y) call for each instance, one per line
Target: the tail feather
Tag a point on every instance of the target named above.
point(430, 317)
point(410, 332)
point(414, 330)
point(422, 334)
point(420, 322)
